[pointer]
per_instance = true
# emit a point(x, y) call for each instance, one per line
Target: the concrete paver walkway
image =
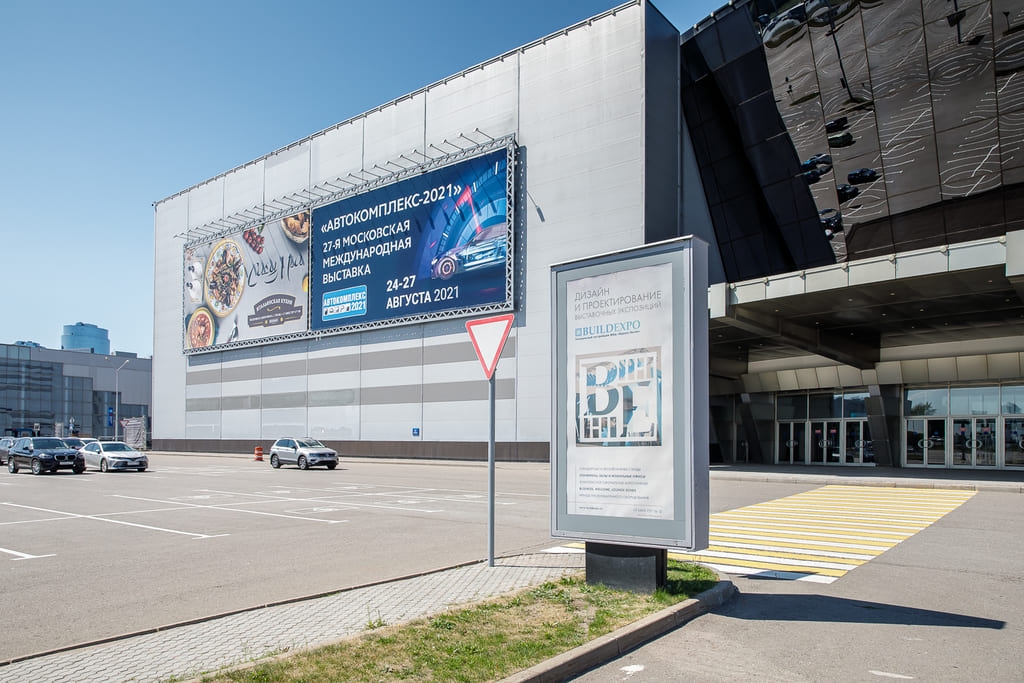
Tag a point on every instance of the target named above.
point(187, 651)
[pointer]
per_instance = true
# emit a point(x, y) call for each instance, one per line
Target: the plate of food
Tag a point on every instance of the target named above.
point(200, 329)
point(296, 227)
point(224, 278)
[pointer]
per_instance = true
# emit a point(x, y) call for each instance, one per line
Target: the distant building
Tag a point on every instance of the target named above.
point(85, 337)
point(62, 392)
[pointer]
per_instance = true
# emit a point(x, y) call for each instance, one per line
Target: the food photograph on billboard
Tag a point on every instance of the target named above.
point(247, 286)
point(434, 245)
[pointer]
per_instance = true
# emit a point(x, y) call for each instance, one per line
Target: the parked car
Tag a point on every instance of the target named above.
point(73, 442)
point(305, 453)
point(836, 125)
point(846, 192)
point(812, 176)
point(44, 454)
point(843, 139)
point(831, 221)
point(821, 163)
point(861, 175)
point(114, 455)
point(5, 445)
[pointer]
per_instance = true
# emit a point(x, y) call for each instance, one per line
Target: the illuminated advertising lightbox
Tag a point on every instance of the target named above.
point(437, 243)
point(630, 373)
point(246, 286)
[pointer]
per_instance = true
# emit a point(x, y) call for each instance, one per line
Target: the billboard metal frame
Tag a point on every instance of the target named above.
point(340, 188)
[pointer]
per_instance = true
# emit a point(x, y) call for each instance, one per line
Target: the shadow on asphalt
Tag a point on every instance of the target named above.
point(824, 608)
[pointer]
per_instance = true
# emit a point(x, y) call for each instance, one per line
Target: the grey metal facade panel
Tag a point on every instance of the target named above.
point(292, 368)
point(203, 377)
point(326, 365)
point(467, 391)
point(238, 373)
point(291, 399)
point(240, 402)
point(395, 358)
point(661, 128)
point(333, 397)
point(200, 405)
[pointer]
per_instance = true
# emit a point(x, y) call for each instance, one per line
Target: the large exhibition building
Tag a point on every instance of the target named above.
point(855, 168)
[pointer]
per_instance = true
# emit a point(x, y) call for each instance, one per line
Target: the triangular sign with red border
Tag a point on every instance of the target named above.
point(488, 336)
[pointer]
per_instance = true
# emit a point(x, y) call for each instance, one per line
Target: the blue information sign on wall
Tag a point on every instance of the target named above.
point(434, 243)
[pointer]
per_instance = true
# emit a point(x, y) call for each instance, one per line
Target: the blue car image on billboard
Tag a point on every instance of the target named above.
point(486, 248)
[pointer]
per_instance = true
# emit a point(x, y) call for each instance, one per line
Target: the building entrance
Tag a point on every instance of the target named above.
point(974, 442)
point(824, 442)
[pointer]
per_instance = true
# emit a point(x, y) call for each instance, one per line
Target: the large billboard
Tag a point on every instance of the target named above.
point(429, 244)
point(248, 285)
point(437, 243)
point(630, 450)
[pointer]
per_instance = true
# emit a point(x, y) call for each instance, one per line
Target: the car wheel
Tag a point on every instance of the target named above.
point(303, 463)
point(79, 469)
point(12, 466)
point(103, 465)
point(142, 469)
point(446, 267)
point(275, 462)
point(331, 465)
point(37, 467)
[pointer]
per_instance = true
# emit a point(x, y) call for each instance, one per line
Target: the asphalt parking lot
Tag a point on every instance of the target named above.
point(101, 554)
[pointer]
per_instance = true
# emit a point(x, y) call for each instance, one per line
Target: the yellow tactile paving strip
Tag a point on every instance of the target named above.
point(819, 535)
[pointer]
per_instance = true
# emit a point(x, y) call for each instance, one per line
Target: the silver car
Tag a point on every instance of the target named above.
point(113, 455)
point(305, 453)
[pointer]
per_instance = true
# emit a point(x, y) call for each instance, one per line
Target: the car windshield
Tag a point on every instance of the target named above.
point(74, 443)
point(115, 447)
point(312, 443)
point(48, 443)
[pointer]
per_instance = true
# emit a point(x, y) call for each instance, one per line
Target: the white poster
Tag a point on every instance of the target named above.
point(619, 458)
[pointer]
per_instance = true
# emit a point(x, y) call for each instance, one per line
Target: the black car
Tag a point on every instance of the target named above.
point(847, 192)
point(836, 125)
point(862, 175)
point(5, 445)
point(812, 176)
point(44, 454)
point(831, 221)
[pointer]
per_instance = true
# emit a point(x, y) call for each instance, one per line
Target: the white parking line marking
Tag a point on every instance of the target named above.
point(23, 556)
point(230, 508)
point(333, 501)
point(114, 521)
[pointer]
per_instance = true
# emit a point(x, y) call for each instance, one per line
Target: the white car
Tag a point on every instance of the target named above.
point(305, 453)
point(113, 455)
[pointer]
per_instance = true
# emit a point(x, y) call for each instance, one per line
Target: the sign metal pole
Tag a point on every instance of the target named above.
point(490, 477)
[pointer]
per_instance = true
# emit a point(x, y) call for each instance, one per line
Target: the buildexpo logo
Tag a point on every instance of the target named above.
point(618, 398)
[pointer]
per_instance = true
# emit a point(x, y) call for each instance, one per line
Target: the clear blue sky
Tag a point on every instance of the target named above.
point(107, 106)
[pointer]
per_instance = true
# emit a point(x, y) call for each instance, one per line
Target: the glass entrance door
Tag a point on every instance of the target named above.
point(792, 444)
point(1013, 446)
point(926, 441)
point(825, 446)
point(857, 440)
point(974, 442)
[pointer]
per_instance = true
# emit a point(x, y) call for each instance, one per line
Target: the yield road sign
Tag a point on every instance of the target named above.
point(488, 336)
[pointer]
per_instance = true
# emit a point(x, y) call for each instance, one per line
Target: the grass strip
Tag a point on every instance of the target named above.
point(486, 641)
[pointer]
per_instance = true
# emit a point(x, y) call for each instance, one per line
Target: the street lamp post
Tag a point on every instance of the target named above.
point(117, 399)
